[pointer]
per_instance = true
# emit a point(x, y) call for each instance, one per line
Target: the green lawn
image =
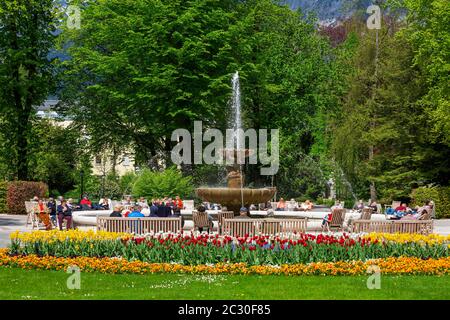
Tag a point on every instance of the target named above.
point(21, 284)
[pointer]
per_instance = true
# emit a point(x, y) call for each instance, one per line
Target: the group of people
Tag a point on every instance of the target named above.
point(293, 205)
point(403, 212)
point(165, 207)
point(49, 211)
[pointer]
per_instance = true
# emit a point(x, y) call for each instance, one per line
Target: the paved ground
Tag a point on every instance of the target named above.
point(11, 223)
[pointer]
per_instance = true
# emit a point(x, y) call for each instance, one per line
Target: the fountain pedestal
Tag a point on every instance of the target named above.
point(233, 197)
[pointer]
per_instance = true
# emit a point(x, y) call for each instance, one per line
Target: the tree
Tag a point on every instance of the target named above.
point(391, 117)
point(429, 34)
point(139, 69)
point(27, 28)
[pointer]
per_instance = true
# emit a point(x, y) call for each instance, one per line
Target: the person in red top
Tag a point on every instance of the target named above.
point(41, 210)
point(178, 204)
point(85, 202)
point(326, 220)
point(402, 208)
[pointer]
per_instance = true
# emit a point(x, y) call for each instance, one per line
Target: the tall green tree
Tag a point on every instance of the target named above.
point(139, 69)
point(384, 109)
point(27, 35)
point(428, 31)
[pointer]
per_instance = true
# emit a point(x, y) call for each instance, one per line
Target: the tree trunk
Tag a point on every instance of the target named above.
point(373, 191)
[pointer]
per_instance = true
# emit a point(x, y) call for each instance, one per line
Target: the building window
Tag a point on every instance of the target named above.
point(126, 161)
point(98, 160)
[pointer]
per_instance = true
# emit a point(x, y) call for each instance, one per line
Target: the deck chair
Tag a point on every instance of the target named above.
point(337, 219)
point(32, 217)
point(366, 213)
point(394, 205)
point(201, 221)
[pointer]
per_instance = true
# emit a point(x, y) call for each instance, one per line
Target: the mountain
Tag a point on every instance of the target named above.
point(328, 10)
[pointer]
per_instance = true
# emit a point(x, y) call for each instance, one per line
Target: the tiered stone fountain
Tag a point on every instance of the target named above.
point(235, 195)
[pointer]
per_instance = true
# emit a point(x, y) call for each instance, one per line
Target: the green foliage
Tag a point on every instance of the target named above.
point(428, 33)
point(21, 191)
point(54, 155)
point(440, 196)
point(26, 74)
point(169, 183)
point(384, 109)
point(126, 183)
point(3, 195)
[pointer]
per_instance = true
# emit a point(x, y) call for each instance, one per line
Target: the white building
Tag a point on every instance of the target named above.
point(102, 163)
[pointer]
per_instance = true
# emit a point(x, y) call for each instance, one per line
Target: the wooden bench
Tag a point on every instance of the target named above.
point(396, 226)
point(413, 226)
point(139, 225)
point(221, 216)
point(240, 227)
point(272, 226)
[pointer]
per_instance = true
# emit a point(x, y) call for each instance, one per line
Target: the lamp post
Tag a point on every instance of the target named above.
point(82, 183)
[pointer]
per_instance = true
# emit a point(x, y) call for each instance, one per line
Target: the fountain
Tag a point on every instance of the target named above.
point(235, 195)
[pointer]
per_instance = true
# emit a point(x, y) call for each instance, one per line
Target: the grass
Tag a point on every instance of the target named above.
point(26, 284)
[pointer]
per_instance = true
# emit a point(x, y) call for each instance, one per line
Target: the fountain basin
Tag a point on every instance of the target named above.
point(232, 198)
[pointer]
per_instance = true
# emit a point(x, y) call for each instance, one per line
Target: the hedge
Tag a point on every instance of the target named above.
point(440, 196)
point(3, 193)
point(21, 191)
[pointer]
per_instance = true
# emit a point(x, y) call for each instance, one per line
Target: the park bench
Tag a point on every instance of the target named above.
point(223, 215)
point(272, 226)
point(240, 227)
point(139, 225)
point(396, 226)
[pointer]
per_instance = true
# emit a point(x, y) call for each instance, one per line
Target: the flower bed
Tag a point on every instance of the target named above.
point(203, 249)
point(402, 265)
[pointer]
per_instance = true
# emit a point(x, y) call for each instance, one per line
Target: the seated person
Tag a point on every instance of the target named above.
point(326, 220)
point(337, 205)
point(426, 207)
point(117, 212)
point(127, 202)
point(400, 211)
point(307, 205)
point(64, 213)
point(154, 209)
point(253, 207)
point(85, 203)
point(42, 211)
point(136, 213)
point(292, 205)
point(103, 204)
point(414, 216)
point(374, 207)
point(281, 205)
point(359, 206)
point(242, 213)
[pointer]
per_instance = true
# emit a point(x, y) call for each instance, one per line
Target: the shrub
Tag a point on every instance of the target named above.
point(21, 191)
point(440, 196)
point(170, 183)
point(3, 193)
